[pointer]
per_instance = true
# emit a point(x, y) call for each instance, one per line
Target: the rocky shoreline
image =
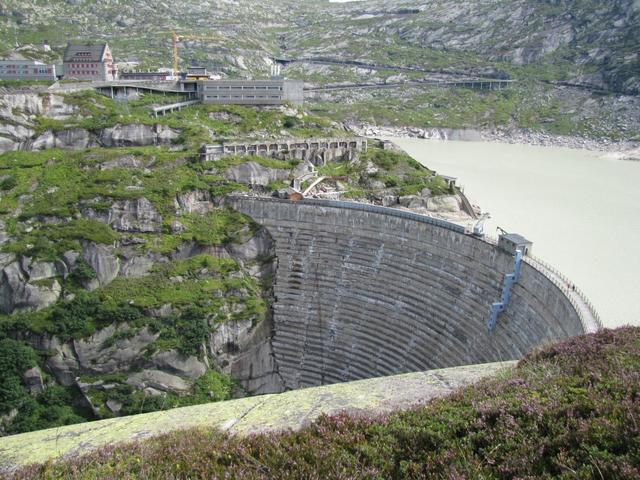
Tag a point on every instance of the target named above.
point(625, 149)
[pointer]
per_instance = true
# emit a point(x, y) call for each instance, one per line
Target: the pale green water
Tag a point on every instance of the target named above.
point(581, 211)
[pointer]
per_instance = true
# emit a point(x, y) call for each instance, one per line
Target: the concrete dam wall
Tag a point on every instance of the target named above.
point(364, 291)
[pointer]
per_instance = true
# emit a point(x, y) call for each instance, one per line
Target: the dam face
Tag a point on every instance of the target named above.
point(363, 291)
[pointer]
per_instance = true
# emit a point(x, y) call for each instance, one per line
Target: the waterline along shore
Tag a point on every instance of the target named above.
point(627, 148)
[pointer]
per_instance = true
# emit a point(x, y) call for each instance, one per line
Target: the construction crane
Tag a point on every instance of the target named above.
point(177, 38)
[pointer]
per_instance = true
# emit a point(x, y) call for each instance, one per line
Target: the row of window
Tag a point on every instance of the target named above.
point(82, 72)
point(241, 87)
point(25, 71)
point(23, 67)
point(82, 65)
point(243, 97)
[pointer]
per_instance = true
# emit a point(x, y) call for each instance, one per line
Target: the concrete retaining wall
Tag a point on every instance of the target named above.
point(361, 294)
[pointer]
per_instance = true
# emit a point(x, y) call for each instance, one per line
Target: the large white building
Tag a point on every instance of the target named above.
point(89, 62)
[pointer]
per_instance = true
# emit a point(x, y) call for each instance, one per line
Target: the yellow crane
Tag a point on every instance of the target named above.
point(177, 38)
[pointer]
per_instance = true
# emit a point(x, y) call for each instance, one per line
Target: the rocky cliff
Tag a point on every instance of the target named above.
point(24, 125)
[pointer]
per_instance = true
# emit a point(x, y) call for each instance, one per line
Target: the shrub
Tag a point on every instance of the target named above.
point(290, 122)
point(193, 330)
point(82, 273)
point(15, 359)
point(8, 183)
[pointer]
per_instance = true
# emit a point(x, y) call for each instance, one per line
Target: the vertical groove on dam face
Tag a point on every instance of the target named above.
point(361, 294)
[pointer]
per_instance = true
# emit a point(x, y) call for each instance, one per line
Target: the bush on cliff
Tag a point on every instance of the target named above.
point(569, 411)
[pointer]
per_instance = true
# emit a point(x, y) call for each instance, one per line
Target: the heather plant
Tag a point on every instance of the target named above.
point(567, 411)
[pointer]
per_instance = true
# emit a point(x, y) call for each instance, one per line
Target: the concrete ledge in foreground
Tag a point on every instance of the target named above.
point(266, 413)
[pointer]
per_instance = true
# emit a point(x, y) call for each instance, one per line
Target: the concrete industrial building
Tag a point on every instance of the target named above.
point(89, 62)
point(251, 92)
point(28, 70)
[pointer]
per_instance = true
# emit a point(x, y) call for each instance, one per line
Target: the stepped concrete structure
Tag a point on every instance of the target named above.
point(364, 291)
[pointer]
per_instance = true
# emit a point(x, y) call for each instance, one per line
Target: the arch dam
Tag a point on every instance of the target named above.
point(365, 291)
point(362, 294)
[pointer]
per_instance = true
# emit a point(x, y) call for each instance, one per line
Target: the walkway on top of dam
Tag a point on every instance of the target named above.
point(260, 414)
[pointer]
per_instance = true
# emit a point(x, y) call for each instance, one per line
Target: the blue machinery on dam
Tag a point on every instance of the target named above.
point(509, 280)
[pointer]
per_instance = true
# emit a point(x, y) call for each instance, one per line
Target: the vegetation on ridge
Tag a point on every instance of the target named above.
point(567, 411)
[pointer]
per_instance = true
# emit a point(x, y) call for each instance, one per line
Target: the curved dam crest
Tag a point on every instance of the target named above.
point(364, 291)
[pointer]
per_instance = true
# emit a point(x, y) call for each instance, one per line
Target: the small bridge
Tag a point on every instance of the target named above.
point(172, 107)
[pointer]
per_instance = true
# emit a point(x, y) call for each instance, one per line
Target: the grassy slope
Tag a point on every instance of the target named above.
point(568, 411)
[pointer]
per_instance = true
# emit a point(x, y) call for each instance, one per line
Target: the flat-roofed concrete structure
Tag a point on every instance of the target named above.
point(251, 92)
point(27, 70)
point(510, 242)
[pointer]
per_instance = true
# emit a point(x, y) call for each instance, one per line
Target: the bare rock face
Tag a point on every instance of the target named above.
point(158, 380)
point(98, 355)
point(4, 236)
point(19, 110)
point(138, 215)
point(138, 135)
point(16, 294)
point(103, 261)
point(228, 338)
point(12, 136)
point(136, 265)
point(191, 249)
point(254, 174)
point(39, 270)
point(196, 201)
point(179, 364)
point(260, 245)
point(114, 406)
point(126, 161)
point(448, 203)
point(63, 365)
point(247, 354)
point(74, 139)
point(32, 379)
point(29, 104)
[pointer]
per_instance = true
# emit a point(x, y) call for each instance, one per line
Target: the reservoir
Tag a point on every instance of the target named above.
point(580, 209)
